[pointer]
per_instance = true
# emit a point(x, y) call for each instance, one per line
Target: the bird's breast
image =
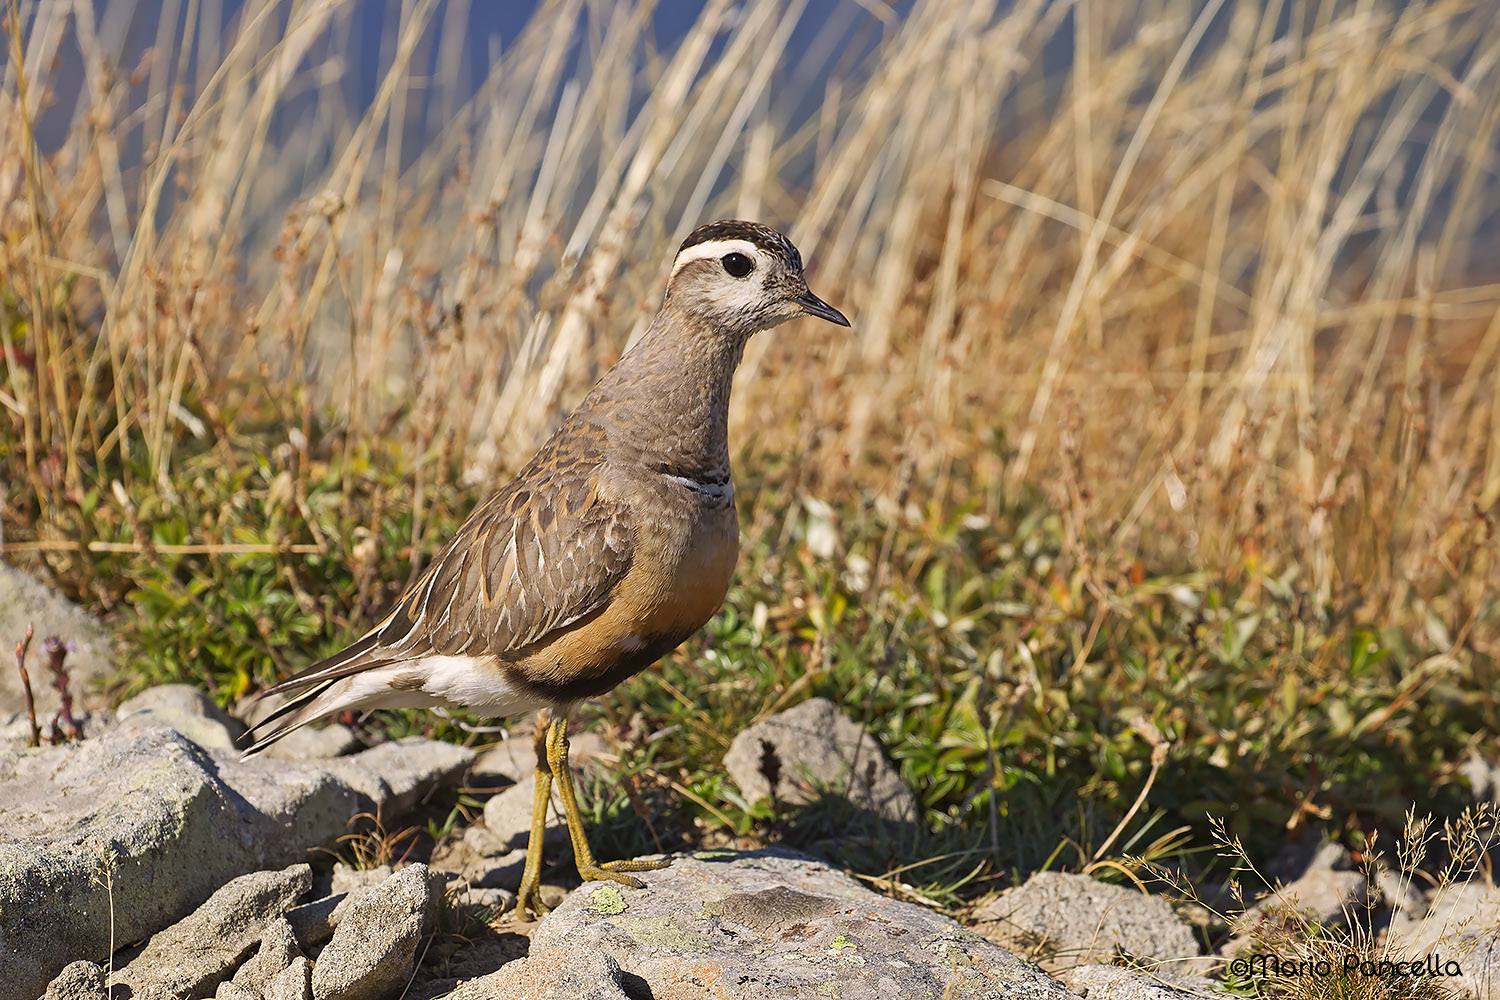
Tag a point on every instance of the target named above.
point(704, 569)
point(680, 571)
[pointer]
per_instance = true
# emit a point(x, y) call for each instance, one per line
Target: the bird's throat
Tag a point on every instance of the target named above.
point(669, 398)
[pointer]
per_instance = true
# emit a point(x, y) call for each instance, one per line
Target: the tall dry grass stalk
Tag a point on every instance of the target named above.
point(1224, 271)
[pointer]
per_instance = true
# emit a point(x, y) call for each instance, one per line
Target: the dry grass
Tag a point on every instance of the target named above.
point(1220, 292)
point(1214, 284)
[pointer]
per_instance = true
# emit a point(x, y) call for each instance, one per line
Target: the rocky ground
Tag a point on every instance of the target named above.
point(148, 848)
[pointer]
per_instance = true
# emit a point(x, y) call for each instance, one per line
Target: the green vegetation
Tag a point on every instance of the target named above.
point(1156, 487)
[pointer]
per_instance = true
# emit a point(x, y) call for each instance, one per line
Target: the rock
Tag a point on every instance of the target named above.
point(1314, 852)
point(308, 743)
point(184, 708)
point(514, 759)
point(1456, 915)
point(1074, 919)
point(1324, 895)
point(1463, 927)
point(375, 946)
point(24, 600)
point(744, 926)
point(1113, 982)
point(15, 728)
point(78, 981)
point(562, 974)
point(488, 899)
point(481, 859)
point(1478, 958)
point(814, 749)
point(292, 983)
point(314, 923)
point(191, 957)
point(1400, 893)
point(278, 949)
point(1481, 775)
point(346, 879)
point(315, 743)
point(396, 775)
point(507, 817)
point(156, 822)
point(234, 991)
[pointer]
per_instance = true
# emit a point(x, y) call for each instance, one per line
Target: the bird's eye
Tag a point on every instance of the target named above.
point(737, 264)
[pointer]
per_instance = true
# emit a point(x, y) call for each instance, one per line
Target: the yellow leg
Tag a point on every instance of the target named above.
point(528, 899)
point(588, 869)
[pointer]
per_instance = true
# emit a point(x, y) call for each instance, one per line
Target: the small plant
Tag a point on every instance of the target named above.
point(104, 877)
point(64, 726)
point(374, 846)
point(21, 648)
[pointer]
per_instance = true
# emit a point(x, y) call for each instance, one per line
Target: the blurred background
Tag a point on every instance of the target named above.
point(1155, 485)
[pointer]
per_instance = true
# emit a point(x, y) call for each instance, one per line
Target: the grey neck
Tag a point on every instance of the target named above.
point(668, 398)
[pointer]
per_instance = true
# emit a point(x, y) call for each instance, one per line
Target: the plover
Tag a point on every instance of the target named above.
point(611, 546)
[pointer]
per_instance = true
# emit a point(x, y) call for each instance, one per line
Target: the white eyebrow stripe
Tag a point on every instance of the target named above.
point(713, 248)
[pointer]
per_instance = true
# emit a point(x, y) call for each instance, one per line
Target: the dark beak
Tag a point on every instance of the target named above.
point(814, 306)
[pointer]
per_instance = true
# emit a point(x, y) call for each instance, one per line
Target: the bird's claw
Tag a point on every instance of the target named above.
point(614, 871)
point(529, 905)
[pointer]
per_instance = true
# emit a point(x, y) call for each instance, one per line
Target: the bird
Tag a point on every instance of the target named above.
point(610, 547)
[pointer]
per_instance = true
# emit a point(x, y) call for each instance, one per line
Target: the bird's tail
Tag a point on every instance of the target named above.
point(346, 680)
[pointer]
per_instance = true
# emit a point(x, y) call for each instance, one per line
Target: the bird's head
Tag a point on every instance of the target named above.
point(743, 277)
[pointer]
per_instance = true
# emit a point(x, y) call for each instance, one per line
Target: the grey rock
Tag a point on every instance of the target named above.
point(314, 923)
point(184, 708)
point(1479, 958)
point(346, 879)
point(190, 958)
point(315, 743)
point(480, 859)
point(396, 775)
point(375, 946)
point(158, 823)
point(1400, 893)
point(814, 749)
point(515, 757)
point(507, 817)
point(292, 983)
point(308, 743)
point(488, 899)
point(1314, 852)
point(15, 728)
point(278, 949)
point(1461, 912)
point(235, 991)
point(1070, 919)
point(1463, 929)
point(512, 760)
point(744, 926)
point(1481, 775)
point(561, 974)
point(78, 981)
point(1325, 895)
point(24, 600)
point(1112, 982)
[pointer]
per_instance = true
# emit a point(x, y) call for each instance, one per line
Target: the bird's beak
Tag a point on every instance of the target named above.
point(814, 306)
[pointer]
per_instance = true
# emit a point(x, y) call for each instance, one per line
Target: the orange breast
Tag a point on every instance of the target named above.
point(676, 583)
point(693, 584)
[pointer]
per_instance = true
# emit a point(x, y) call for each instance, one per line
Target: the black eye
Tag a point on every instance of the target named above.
point(737, 264)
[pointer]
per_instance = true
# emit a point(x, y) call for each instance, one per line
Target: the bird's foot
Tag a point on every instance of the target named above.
point(614, 871)
point(529, 905)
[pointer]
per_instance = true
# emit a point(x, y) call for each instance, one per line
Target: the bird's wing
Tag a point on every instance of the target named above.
point(525, 566)
point(545, 552)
